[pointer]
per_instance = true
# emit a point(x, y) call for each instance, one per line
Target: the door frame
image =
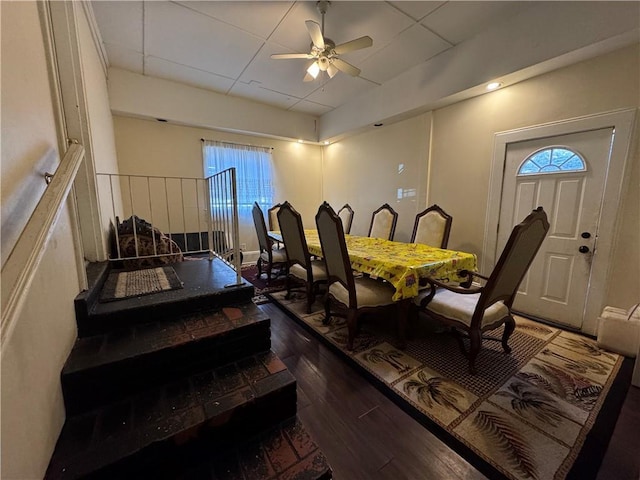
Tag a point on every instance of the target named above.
point(616, 181)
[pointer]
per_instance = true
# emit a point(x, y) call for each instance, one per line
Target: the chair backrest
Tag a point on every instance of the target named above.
point(383, 223)
point(261, 229)
point(334, 250)
point(432, 227)
point(293, 237)
point(521, 248)
point(272, 215)
point(346, 215)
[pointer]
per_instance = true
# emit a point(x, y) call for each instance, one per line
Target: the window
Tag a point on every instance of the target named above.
point(253, 169)
point(552, 160)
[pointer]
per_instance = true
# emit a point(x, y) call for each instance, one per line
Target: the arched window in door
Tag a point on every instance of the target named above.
point(552, 160)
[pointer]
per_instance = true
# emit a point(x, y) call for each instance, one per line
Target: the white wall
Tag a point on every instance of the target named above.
point(33, 356)
point(148, 147)
point(377, 167)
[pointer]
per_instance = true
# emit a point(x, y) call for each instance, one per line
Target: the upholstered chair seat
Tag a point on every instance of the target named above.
point(278, 255)
point(460, 308)
point(369, 292)
point(318, 271)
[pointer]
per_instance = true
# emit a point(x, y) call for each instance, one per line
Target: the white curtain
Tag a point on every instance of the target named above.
point(254, 178)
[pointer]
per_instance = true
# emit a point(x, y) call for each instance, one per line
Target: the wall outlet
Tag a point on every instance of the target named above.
point(243, 246)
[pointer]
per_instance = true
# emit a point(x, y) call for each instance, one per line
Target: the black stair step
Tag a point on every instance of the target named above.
point(206, 285)
point(284, 451)
point(103, 368)
point(230, 402)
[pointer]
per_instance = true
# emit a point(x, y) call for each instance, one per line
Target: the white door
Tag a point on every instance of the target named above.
point(565, 175)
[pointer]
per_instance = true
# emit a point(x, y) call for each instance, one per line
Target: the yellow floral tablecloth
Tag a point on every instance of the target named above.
point(401, 264)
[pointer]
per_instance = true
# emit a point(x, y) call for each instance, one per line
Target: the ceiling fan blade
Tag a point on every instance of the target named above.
point(280, 56)
point(316, 34)
point(308, 78)
point(332, 70)
point(346, 67)
point(357, 44)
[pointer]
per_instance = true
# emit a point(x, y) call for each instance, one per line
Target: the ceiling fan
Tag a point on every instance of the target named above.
point(324, 52)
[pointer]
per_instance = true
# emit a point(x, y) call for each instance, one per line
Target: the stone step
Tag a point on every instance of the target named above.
point(207, 285)
point(103, 368)
point(219, 407)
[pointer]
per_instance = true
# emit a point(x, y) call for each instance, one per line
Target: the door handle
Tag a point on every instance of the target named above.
point(583, 249)
point(585, 235)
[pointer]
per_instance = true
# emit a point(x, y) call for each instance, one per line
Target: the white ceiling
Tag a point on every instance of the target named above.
point(226, 46)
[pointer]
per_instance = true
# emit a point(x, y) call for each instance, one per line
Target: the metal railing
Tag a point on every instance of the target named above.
point(170, 217)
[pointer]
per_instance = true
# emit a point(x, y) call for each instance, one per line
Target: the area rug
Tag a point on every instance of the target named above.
point(126, 284)
point(546, 411)
point(250, 274)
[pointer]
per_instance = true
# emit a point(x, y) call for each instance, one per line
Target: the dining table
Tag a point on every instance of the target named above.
point(406, 266)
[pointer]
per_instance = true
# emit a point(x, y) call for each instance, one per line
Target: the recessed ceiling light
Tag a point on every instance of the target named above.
point(299, 140)
point(493, 85)
point(326, 142)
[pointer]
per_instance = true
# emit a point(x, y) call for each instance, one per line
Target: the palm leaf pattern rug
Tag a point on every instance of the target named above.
point(527, 415)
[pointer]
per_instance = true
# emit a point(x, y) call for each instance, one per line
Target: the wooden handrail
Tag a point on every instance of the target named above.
point(19, 269)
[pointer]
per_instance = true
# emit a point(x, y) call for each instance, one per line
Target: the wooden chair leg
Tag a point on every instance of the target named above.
point(327, 310)
point(310, 296)
point(259, 267)
point(288, 283)
point(509, 327)
point(476, 342)
point(269, 266)
point(352, 325)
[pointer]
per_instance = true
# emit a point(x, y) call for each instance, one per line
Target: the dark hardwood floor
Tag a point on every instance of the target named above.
point(366, 436)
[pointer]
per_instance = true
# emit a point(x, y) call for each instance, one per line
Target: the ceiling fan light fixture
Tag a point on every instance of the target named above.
point(314, 69)
point(332, 70)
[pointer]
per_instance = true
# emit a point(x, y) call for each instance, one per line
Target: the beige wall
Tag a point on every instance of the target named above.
point(33, 356)
point(147, 147)
point(462, 148)
point(102, 140)
point(378, 167)
point(24, 71)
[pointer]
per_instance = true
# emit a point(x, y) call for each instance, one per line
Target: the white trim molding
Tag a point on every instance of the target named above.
point(623, 123)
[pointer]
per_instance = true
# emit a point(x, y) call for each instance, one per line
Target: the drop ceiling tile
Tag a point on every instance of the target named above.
point(120, 23)
point(340, 89)
point(255, 91)
point(414, 46)
point(183, 36)
point(312, 108)
point(459, 21)
point(158, 67)
point(278, 75)
point(124, 58)
point(292, 31)
point(417, 10)
point(259, 18)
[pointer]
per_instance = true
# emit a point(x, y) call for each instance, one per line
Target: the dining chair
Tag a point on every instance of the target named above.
point(356, 295)
point(272, 215)
point(270, 256)
point(383, 223)
point(300, 264)
point(473, 308)
point(346, 215)
point(432, 227)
